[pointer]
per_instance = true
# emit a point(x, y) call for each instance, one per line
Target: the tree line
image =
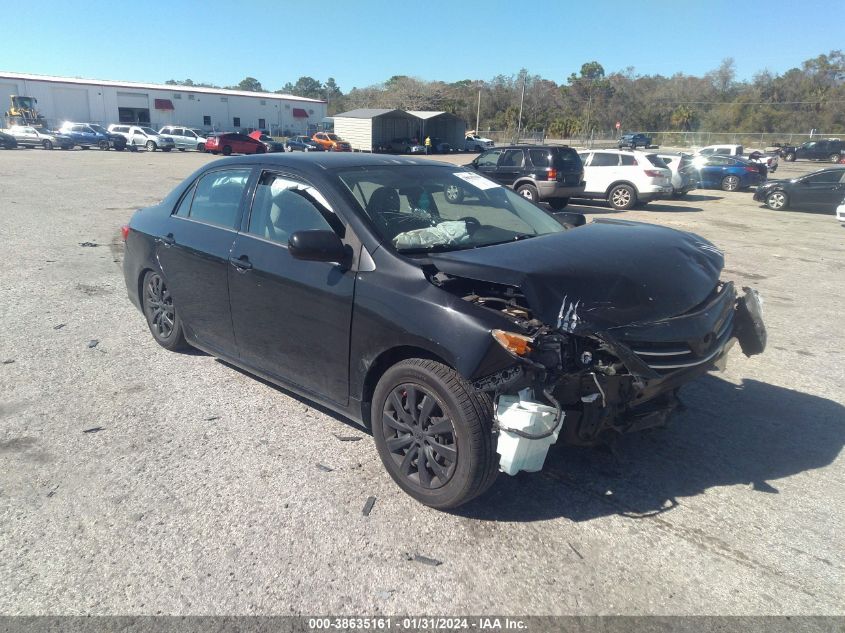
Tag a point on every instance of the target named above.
point(811, 96)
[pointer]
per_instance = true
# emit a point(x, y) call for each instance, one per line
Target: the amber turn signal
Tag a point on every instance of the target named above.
point(518, 344)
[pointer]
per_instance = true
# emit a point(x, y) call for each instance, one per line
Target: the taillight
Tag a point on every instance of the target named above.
point(654, 173)
point(752, 169)
point(124, 231)
point(552, 173)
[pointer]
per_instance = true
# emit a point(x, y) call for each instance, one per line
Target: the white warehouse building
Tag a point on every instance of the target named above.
point(98, 101)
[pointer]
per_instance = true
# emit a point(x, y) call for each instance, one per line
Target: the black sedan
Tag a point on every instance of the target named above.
point(7, 141)
point(301, 144)
point(820, 191)
point(351, 279)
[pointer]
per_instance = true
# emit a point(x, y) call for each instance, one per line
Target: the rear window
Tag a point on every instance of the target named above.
point(566, 158)
point(655, 160)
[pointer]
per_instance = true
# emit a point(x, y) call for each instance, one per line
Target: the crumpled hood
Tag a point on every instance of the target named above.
point(602, 275)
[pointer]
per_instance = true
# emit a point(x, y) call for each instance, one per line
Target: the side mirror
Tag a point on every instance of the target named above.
point(317, 246)
point(570, 218)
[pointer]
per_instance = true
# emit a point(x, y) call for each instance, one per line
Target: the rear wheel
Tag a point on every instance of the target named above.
point(162, 319)
point(433, 432)
point(776, 200)
point(47, 145)
point(622, 197)
point(151, 146)
point(730, 183)
point(529, 192)
point(558, 203)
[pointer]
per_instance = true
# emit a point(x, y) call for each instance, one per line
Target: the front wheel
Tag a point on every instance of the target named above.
point(151, 146)
point(434, 434)
point(103, 145)
point(622, 197)
point(558, 203)
point(454, 194)
point(730, 183)
point(162, 319)
point(834, 158)
point(776, 200)
point(529, 192)
point(790, 156)
point(47, 145)
point(227, 150)
point(200, 147)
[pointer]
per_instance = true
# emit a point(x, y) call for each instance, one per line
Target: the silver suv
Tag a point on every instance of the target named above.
point(139, 136)
point(185, 137)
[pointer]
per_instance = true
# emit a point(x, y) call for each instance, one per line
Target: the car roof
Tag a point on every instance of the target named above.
point(321, 161)
point(527, 146)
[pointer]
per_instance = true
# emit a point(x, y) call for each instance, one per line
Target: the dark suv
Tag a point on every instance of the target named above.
point(831, 150)
point(634, 140)
point(538, 172)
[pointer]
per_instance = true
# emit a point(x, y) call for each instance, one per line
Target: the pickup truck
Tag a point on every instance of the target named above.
point(771, 160)
point(831, 150)
point(475, 143)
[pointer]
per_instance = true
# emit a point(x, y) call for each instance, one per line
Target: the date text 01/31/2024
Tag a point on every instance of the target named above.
point(415, 623)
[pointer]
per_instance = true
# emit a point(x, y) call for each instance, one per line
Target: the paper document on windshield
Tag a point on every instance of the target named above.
point(479, 182)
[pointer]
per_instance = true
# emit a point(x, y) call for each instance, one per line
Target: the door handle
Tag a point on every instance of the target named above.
point(242, 263)
point(167, 240)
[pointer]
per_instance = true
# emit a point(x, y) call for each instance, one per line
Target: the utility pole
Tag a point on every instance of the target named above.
point(521, 101)
point(478, 112)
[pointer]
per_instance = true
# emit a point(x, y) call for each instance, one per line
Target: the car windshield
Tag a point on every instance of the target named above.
point(422, 208)
point(197, 132)
point(149, 131)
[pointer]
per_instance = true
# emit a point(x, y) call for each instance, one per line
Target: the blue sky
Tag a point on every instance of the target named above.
point(363, 42)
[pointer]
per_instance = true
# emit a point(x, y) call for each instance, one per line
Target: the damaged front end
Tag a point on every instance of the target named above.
point(604, 378)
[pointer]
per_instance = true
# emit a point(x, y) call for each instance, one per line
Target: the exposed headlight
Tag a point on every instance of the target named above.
point(517, 344)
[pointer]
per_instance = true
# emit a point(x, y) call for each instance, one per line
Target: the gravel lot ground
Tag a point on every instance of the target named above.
point(201, 495)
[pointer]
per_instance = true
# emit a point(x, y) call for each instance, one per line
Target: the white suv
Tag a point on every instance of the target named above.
point(139, 136)
point(625, 178)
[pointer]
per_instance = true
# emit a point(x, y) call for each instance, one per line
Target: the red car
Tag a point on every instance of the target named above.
point(233, 143)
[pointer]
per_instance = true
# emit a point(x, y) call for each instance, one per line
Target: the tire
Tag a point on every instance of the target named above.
point(777, 200)
point(465, 463)
point(103, 145)
point(790, 156)
point(622, 197)
point(227, 150)
point(730, 183)
point(558, 203)
point(834, 158)
point(529, 192)
point(47, 144)
point(151, 146)
point(162, 318)
point(288, 149)
point(454, 194)
point(200, 147)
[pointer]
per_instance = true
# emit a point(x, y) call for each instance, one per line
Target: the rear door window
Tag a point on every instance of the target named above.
point(218, 197)
point(539, 157)
point(511, 158)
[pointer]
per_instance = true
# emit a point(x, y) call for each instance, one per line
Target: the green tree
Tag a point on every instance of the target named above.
point(249, 84)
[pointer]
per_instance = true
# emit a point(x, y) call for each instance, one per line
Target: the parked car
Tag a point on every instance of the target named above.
point(85, 136)
point(684, 178)
point(540, 173)
point(406, 146)
point(840, 212)
point(439, 146)
point(233, 143)
point(820, 191)
point(185, 138)
point(476, 143)
point(331, 142)
point(269, 144)
point(116, 141)
point(634, 141)
point(352, 280)
point(830, 150)
point(7, 141)
point(770, 159)
point(625, 177)
point(301, 144)
point(728, 173)
point(142, 136)
point(27, 136)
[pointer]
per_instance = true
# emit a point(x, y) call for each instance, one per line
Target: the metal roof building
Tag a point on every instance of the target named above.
point(442, 125)
point(102, 101)
point(367, 129)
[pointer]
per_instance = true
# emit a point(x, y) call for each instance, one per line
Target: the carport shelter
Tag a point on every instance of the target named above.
point(443, 125)
point(367, 129)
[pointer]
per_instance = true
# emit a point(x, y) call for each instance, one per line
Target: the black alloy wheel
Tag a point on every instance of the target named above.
point(103, 145)
point(162, 319)
point(48, 145)
point(151, 146)
point(433, 432)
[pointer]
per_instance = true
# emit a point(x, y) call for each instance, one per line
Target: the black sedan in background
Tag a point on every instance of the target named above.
point(353, 280)
point(7, 141)
point(820, 191)
point(301, 144)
